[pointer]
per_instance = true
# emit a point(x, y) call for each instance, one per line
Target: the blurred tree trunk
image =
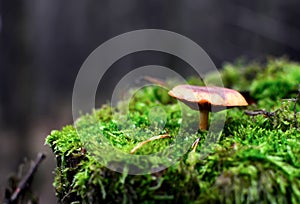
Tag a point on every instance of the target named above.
point(16, 77)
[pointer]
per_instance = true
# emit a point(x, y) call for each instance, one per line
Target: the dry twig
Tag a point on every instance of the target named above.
point(148, 140)
point(155, 81)
point(25, 182)
point(260, 112)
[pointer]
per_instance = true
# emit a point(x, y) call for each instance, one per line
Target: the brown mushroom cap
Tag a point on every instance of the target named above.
point(195, 96)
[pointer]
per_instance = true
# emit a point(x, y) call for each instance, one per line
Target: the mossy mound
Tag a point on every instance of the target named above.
point(256, 159)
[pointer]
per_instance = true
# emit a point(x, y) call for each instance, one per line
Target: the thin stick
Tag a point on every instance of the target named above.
point(148, 140)
point(24, 183)
point(155, 81)
point(259, 112)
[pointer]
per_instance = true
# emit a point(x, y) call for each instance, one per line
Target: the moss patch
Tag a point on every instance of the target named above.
point(256, 159)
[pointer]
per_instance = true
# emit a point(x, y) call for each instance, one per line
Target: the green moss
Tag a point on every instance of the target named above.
point(256, 160)
point(279, 80)
point(267, 83)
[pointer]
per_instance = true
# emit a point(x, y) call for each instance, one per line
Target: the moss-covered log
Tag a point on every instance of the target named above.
point(255, 160)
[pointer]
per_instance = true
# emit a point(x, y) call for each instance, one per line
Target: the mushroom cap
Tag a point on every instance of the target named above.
point(207, 96)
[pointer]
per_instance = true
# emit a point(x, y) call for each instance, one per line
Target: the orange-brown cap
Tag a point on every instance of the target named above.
point(196, 96)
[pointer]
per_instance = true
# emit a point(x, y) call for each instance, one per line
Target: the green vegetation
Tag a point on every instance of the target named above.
point(255, 160)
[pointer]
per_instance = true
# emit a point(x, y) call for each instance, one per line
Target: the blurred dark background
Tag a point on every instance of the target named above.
point(44, 43)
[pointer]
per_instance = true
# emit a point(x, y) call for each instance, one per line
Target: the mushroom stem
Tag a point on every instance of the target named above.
point(203, 119)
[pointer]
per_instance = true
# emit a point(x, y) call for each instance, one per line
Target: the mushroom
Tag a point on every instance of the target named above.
point(201, 98)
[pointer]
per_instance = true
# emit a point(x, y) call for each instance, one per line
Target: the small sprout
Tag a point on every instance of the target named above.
point(195, 144)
